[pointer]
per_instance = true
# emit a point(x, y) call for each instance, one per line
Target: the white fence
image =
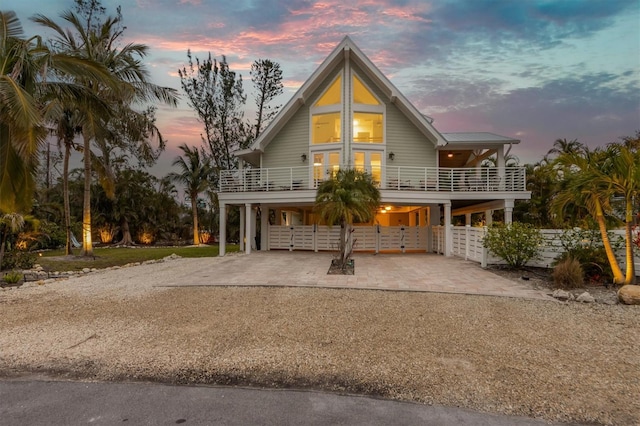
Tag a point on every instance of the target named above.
point(467, 243)
point(367, 238)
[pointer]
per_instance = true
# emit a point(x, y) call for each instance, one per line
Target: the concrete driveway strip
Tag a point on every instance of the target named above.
point(36, 402)
point(408, 272)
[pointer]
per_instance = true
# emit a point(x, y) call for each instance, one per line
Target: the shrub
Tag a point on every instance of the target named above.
point(16, 259)
point(585, 245)
point(568, 274)
point(12, 277)
point(516, 243)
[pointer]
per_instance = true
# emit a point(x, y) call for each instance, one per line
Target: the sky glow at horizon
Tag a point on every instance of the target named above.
point(532, 70)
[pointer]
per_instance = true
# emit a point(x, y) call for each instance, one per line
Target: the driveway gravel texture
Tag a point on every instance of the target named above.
point(556, 361)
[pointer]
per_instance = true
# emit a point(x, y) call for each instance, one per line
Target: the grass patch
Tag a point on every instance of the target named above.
point(104, 257)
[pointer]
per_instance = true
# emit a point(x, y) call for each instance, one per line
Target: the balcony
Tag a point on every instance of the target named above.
point(429, 179)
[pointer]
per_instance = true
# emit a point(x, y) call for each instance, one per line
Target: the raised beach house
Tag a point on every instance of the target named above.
point(348, 114)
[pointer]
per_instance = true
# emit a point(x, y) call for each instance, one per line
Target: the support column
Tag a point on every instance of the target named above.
point(247, 217)
point(508, 211)
point(467, 219)
point(264, 228)
point(448, 234)
point(243, 219)
point(501, 170)
point(488, 217)
point(433, 220)
point(253, 222)
point(222, 225)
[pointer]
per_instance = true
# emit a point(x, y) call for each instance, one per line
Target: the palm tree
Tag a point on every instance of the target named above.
point(584, 184)
point(98, 42)
point(563, 146)
point(195, 170)
point(348, 196)
point(623, 179)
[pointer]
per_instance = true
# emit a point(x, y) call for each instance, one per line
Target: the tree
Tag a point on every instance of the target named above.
point(348, 196)
point(623, 180)
point(27, 84)
point(266, 76)
point(195, 171)
point(216, 94)
point(97, 40)
point(563, 146)
point(582, 175)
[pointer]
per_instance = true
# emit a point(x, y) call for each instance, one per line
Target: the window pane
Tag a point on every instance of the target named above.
point(367, 127)
point(318, 172)
point(376, 166)
point(358, 160)
point(334, 162)
point(326, 128)
point(332, 95)
point(361, 95)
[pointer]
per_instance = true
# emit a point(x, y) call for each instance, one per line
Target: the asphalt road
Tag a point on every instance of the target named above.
point(44, 402)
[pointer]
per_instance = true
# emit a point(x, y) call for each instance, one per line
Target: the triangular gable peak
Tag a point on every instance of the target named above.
point(347, 49)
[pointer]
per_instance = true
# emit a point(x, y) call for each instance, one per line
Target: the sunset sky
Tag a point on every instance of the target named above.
point(532, 70)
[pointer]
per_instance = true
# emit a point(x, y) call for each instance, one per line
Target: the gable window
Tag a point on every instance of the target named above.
point(362, 95)
point(326, 128)
point(367, 127)
point(368, 115)
point(325, 119)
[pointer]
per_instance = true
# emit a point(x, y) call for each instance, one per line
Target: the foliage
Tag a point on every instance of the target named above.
point(516, 243)
point(48, 236)
point(216, 94)
point(585, 246)
point(350, 195)
point(568, 274)
point(98, 40)
point(12, 277)
point(18, 259)
point(266, 76)
point(194, 175)
point(583, 186)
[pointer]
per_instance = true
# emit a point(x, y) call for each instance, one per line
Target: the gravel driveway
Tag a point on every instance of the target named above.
point(566, 362)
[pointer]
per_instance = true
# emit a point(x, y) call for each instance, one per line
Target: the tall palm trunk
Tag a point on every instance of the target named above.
point(87, 244)
point(194, 208)
point(618, 278)
point(126, 233)
point(65, 195)
point(630, 277)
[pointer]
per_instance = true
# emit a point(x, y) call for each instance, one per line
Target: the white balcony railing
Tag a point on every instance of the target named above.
point(432, 179)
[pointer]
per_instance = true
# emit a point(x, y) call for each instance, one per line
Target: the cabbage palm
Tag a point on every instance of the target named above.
point(195, 171)
point(348, 196)
point(100, 44)
point(583, 173)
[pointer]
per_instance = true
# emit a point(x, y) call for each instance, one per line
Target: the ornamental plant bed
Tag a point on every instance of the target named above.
point(335, 268)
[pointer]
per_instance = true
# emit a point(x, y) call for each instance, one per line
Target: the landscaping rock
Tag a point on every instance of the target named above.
point(562, 295)
point(585, 298)
point(629, 294)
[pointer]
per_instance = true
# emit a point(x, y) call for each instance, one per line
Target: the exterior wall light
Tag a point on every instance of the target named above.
point(304, 158)
point(391, 156)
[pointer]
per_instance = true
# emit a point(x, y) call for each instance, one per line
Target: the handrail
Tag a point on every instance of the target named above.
point(400, 178)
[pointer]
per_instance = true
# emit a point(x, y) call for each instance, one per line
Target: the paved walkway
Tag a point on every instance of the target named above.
point(408, 272)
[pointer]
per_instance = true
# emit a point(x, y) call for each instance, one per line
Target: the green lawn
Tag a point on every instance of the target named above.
point(105, 256)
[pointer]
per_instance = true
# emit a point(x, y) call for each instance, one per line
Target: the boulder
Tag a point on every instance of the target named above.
point(629, 294)
point(562, 295)
point(585, 298)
